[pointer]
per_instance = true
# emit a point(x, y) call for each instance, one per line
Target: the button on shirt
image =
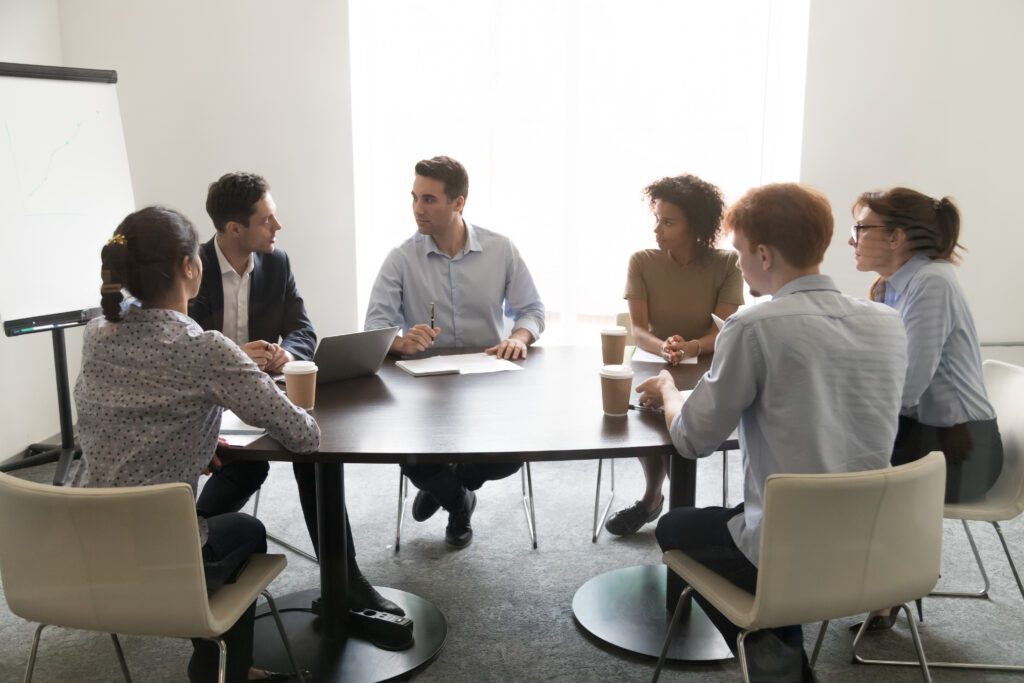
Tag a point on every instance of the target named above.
point(944, 385)
point(236, 297)
point(150, 396)
point(813, 378)
point(472, 292)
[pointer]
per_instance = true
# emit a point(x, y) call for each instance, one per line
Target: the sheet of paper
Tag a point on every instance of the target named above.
point(642, 356)
point(463, 363)
point(236, 432)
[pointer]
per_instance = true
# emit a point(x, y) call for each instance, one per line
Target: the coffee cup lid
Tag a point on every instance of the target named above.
point(299, 367)
point(616, 372)
point(614, 331)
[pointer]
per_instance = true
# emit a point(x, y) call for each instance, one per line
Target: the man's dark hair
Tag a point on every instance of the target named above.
point(448, 171)
point(701, 203)
point(233, 198)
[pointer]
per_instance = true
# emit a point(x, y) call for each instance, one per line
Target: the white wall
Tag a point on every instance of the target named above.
point(30, 34)
point(925, 93)
point(255, 85)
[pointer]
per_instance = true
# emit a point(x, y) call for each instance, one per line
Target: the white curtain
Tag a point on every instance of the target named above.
point(562, 111)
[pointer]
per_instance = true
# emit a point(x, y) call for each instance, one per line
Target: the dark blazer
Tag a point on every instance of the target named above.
point(276, 310)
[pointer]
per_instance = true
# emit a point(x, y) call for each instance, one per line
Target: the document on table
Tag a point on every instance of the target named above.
point(462, 364)
point(646, 357)
point(236, 432)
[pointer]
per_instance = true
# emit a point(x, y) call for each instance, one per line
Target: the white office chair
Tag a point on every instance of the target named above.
point(832, 545)
point(1004, 384)
point(120, 560)
point(527, 485)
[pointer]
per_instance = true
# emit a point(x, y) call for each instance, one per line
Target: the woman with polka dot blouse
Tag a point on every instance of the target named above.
point(150, 395)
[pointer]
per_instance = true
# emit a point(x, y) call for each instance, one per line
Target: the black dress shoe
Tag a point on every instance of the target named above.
point(424, 506)
point(362, 595)
point(278, 677)
point(459, 533)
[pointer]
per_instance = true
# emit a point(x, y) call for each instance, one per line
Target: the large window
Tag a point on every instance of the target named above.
point(562, 111)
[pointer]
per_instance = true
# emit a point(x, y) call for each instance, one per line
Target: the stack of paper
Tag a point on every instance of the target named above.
point(236, 432)
point(463, 363)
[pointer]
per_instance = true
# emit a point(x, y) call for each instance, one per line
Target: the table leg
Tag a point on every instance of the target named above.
point(321, 642)
point(631, 607)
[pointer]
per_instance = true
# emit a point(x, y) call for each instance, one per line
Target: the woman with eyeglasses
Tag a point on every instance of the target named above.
point(672, 292)
point(911, 241)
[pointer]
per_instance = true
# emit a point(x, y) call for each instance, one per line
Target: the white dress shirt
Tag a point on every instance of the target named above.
point(812, 377)
point(236, 297)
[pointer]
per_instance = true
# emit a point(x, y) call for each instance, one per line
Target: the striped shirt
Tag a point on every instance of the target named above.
point(812, 377)
point(944, 383)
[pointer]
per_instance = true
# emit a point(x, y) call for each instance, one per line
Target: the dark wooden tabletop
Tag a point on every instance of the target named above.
point(549, 410)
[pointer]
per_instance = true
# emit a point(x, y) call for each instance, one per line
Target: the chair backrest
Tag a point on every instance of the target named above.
point(833, 545)
point(103, 559)
point(1004, 384)
point(623, 319)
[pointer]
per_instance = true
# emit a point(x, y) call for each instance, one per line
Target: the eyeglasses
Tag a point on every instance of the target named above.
point(857, 227)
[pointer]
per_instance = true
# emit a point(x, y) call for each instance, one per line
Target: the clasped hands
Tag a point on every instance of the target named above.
point(268, 357)
point(675, 349)
point(420, 337)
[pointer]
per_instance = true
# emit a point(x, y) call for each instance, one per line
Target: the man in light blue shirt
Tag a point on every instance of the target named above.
point(812, 377)
point(453, 285)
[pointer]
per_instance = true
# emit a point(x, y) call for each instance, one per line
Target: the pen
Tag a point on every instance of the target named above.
point(431, 315)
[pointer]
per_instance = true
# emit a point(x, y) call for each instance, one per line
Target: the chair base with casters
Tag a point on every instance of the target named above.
point(526, 479)
point(280, 541)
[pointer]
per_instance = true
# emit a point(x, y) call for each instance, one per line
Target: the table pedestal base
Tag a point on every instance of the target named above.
point(626, 608)
point(352, 660)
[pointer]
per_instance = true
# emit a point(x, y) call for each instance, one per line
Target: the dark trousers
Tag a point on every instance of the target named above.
point(973, 450)
point(231, 487)
point(233, 537)
point(448, 483)
point(772, 654)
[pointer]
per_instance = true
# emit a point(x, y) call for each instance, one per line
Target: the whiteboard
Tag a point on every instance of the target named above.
point(64, 187)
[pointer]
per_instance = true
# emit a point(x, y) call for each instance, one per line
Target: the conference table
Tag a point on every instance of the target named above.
point(550, 409)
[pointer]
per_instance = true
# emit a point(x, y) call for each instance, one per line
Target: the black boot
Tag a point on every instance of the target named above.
point(362, 594)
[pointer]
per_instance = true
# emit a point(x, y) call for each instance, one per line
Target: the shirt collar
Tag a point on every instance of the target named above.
point(807, 283)
point(472, 241)
point(225, 265)
point(904, 274)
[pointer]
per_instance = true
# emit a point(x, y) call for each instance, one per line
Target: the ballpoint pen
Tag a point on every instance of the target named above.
point(431, 315)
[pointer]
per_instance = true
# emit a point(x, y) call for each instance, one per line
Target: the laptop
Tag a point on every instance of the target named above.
point(352, 355)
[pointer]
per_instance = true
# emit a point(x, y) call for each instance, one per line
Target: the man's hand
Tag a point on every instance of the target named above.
point(260, 351)
point(420, 337)
point(652, 391)
point(509, 349)
point(278, 358)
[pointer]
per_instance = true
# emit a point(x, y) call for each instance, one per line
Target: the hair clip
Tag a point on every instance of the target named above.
point(118, 239)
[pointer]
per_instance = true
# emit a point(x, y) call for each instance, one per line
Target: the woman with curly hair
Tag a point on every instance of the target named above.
point(672, 292)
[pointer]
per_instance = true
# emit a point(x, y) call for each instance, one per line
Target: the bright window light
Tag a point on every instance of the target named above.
point(562, 111)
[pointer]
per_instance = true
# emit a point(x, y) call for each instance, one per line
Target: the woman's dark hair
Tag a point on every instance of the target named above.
point(699, 200)
point(932, 225)
point(142, 255)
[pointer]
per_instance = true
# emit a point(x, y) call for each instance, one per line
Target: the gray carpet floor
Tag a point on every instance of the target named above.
point(509, 607)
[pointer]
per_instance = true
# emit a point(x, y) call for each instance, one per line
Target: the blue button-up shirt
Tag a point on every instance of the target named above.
point(472, 292)
point(944, 383)
point(812, 377)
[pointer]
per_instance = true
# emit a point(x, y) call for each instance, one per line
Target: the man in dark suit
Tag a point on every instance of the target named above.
point(249, 294)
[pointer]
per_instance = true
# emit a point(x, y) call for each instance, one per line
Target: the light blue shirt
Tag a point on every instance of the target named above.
point(472, 292)
point(944, 383)
point(812, 377)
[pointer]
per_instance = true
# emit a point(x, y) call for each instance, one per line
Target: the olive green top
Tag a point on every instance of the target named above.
point(681, 299)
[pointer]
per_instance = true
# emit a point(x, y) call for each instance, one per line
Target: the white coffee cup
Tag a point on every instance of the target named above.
point(616, 383)
point(300, 382)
